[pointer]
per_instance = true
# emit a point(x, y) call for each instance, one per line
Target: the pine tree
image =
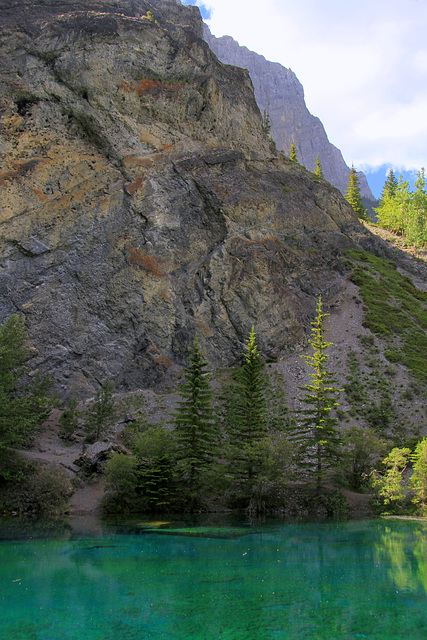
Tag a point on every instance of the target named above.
point(195, 424)
point(69, 420)
point(353, 195)
point(266, 123)
point(317, 437)
point(154, 450)
point(404, 212)
point(101, 414)
point(318, 172)
point(23, 407)
point(293, 155)
point(390, 186)
point(394, 206)
point(248, 407)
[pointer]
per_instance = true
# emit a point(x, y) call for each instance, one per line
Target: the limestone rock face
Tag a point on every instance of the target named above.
point(141, 201)
point(279, 92)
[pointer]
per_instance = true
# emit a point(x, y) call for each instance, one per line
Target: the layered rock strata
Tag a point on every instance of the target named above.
point(141, 201)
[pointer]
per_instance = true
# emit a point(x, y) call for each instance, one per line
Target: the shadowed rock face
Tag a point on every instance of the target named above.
point(141, 201)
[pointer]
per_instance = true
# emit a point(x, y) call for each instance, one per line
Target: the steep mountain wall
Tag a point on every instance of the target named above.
point(279, 93)
point(141, 200)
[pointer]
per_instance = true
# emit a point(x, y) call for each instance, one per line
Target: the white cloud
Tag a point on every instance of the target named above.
point(363, 66)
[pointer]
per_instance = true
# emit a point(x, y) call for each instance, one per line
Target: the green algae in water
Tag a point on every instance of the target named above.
point(295, 581)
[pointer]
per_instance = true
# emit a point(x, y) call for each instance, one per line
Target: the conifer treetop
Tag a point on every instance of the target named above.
point(353, 195)
point(318, 171)
point(293, 154)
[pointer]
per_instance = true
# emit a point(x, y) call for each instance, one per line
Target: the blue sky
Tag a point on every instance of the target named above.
point(363, 66)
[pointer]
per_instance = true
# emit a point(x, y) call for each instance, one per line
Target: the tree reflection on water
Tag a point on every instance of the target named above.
point(406, 556)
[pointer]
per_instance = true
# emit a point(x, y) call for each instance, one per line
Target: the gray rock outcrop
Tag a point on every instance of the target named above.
point(141, 201)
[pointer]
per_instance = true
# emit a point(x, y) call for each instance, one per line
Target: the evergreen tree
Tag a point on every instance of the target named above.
point(69, 420)
point(248, 407)
point(318, 172)
point(195, 424)
point(293, 156)
point(120, 484)
point(353, 195)
point(266, 123)
point(390, 186)
point(393, 210)
point(154, 449)
point(101, 414)
point(404, 212)
point(23, 407)
point(317, 437)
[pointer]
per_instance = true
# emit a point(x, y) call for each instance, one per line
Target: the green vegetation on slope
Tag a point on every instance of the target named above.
point(395, 310)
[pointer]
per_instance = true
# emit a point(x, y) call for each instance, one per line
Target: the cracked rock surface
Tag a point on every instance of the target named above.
point(141, 201)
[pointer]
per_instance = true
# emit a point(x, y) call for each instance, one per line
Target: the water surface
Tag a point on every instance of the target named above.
point(191, 582)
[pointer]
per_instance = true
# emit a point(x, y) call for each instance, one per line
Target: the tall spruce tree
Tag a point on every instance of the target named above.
point(394, 206)
point(317, 437)
point(266, 122)
point(23, 406)
point(248, 407)
point(195, 423)
point(101, 414)
point(293, 155)
point(390, 186)
point(318, 171)
point(353, 195)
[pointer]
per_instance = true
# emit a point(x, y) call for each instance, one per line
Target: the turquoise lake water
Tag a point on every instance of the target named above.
point(328, 581)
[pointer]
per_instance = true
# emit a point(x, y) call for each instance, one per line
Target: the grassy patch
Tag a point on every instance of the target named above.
point(395, 309)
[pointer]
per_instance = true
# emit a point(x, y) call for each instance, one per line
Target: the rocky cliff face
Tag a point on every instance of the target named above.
point(141, 201)
point(279, 93)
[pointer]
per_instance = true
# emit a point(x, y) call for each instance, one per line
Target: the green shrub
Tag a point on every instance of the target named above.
point(394, 355)
point(120, 484)
point(362, 449)
point(50, 490)
point(69, 420)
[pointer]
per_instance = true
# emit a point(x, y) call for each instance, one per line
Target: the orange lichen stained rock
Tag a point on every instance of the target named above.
point(153, 88)
point(135, 186)
point(164, 294)
point(158, 357)
point(150, 264)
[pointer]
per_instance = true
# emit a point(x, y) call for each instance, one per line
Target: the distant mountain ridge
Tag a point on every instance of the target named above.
point(279, 93)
